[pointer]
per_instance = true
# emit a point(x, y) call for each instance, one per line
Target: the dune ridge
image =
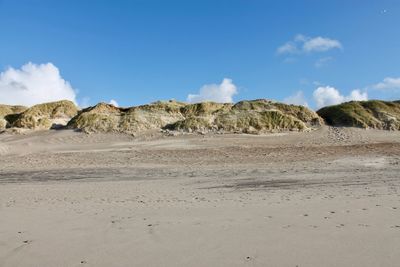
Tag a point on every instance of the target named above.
point(376, 114)
point(248, 116)
point(256, 116)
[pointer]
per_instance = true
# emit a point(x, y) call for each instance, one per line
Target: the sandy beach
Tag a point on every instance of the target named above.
point(329, 197)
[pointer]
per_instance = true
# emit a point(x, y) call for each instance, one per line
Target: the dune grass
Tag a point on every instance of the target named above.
point(375, 114)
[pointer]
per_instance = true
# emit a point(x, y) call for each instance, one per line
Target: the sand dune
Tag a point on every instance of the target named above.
point(329, 197)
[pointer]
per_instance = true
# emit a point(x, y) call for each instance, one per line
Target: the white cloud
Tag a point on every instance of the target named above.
point(33, 84)
point(222, 93)
point(300, 38)
point(305, 44)
point(357, 95)
point(388, 84)
point(288, 48)
point(327, 95)
point(320, 44)
point(114, 103)
point(296, 99)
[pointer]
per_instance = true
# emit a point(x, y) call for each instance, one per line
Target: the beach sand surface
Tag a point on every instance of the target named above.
point(329, 197)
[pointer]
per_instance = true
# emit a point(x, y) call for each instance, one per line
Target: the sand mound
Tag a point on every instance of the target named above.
point(256, 116)
point(108, 118)
point(374, 114)
point(244, 117)
point(46, 116)
point(8, 114)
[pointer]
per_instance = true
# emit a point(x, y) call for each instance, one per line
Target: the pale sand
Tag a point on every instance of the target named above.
point(325, 198)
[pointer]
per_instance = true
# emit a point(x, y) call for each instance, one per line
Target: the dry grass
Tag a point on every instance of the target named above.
point(244, 117)
point(8, 114)
point(364, 114)
point(43, 116)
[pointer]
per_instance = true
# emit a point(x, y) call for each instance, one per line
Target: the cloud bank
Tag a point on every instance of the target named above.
point(33, 84)
point(296, 99)
point(222, 93)
point(327, 95)
point(304, 44)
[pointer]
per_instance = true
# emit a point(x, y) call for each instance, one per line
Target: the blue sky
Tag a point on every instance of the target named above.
point(140, 51)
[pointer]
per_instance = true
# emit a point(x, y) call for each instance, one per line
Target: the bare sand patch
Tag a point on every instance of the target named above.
point(324, 198)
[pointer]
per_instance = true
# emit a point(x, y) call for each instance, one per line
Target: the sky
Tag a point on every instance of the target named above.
point(308, 52)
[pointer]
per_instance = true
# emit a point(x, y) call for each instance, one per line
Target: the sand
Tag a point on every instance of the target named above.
point(324, 198)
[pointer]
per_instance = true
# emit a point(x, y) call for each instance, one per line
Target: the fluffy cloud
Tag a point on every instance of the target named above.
point(33, 84)
point(222, 93)
point(388, 84)
point(320, 44)
point(296, 99)
point(326, 96)
point(305, 44)
point(114, 103)
point(357, 95)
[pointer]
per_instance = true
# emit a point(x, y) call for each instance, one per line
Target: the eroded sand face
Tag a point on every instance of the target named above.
point(325, 198)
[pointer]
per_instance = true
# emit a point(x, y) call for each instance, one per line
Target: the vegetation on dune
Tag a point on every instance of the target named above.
point(191, 124)
point(254, 105)
point(100, 118)
point(364, 114)
point(107, 118)
point(256, 116)
point(45, 116)
point(302, 113)
point(7, 109)
point(246, 116)
point(8, 114)
point(258, 122)
point(170, 106)
point(204, 108)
